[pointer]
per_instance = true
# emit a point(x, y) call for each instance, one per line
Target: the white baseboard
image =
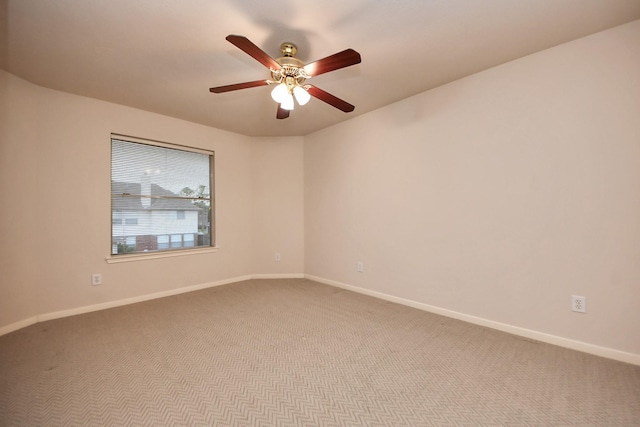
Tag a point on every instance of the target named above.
point(515, 330)
point(141, 298)
point(18, 325)
point(126, 301)
point(278, 276)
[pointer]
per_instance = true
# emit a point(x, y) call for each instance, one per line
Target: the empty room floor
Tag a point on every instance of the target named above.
point(294, 352)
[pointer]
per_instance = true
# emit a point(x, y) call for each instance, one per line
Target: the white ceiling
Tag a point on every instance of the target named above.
point(164, 55)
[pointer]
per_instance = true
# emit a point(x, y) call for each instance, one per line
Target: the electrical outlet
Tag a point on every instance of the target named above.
point(96, 279)
point(278, 258)
point(578, 303)
point(360, 267)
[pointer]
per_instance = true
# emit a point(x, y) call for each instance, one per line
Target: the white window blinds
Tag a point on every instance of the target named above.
point(161, 197)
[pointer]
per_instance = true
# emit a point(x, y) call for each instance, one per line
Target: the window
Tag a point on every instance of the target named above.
point(188, 240)
point(163, 242)
point(127, 218)
point(176, 240)
point(161, 196)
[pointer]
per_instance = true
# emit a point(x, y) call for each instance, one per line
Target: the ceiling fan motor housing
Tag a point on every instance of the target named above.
point(292, 68)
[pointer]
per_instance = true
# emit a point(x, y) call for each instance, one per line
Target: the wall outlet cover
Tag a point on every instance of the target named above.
point(96, 279)
point(578, 303)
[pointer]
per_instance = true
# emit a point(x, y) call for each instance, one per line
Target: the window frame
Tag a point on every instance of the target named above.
point(170, 251)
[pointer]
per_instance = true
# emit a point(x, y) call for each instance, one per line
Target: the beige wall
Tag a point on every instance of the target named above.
point(19, 192)
point(55, 178)
point(278, 205)
point(497, 196)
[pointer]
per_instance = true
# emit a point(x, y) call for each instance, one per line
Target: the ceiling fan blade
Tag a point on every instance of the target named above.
point(238, 86)
point(336, 61)
point(330, 99)
point(282, 113)
point(247, 46)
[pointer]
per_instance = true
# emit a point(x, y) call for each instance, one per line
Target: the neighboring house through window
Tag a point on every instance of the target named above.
point(161, 196)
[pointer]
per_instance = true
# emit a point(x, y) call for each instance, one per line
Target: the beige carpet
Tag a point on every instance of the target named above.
point(298, 353)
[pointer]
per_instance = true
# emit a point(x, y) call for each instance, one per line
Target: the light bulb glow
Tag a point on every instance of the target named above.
point(287, 103)
point(280, 93)
point(302, 96)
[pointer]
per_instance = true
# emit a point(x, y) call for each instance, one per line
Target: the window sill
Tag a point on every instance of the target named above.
point(115, 259)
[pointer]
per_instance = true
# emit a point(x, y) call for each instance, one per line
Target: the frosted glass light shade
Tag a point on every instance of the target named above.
point(280, 93)
point(287, 103)
point(302, 96)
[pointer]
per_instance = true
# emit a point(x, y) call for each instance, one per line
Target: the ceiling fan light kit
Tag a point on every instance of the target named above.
point(289, 74)
point(289, 79)
point(301, 94)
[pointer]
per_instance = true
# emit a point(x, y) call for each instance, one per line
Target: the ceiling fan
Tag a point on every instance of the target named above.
point(289, 74)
